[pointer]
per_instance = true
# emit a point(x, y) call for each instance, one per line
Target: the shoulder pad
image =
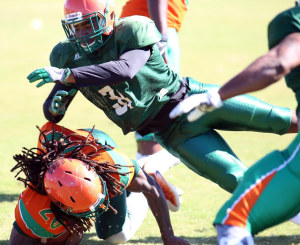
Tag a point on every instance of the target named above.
point(62, 54)
point(136, 32)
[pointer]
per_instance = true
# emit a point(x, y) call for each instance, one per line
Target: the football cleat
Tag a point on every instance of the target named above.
point(170, 193)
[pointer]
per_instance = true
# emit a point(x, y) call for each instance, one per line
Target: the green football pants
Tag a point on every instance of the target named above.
point(110, 223)
point(204, 151)
point(268, 195)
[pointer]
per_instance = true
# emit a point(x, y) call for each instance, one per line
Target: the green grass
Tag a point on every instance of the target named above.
point(218, 39)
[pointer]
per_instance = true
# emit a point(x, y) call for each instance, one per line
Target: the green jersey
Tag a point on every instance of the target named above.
point(134, 103)
point(282, 25)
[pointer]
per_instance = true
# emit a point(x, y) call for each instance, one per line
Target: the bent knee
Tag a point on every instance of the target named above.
point(231, 180)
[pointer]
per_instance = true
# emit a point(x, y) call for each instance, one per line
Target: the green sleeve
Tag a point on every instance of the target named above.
point(282, 25)
point(102, 138)
point(136, 32)
point(62, 55)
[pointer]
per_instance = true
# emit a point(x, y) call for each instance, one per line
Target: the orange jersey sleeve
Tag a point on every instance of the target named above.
point(176, 11)
point(34, 216)
point(135, 7)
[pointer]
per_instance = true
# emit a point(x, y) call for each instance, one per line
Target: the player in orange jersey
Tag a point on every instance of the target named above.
point(49, 211)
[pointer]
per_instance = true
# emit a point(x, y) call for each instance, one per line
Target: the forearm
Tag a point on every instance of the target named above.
point(267, 69)
point(121, 70)
point(261, 73)
point(158, 12)
point(159, 208)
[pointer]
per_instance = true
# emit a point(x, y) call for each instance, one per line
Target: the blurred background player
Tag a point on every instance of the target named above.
point(168, 16)
point(77, 175)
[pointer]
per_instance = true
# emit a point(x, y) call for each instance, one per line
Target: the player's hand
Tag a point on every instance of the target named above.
point(60, 100)
point(49, 75)
point(163, 48)
point(174, 240)
point(201, 103)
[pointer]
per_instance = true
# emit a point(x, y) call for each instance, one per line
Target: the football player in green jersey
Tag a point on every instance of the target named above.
point(116, 65)
point(268, 195)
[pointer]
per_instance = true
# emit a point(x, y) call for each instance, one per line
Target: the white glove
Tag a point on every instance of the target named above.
point(48, 74)
point(201, 103)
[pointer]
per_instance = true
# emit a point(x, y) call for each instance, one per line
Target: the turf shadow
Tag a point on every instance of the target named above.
point(8, 197)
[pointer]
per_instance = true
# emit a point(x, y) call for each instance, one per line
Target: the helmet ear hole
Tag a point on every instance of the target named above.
point(88, 179)
point(68, 172)
point(72, 199)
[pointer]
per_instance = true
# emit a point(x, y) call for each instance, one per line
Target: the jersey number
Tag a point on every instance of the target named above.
point(122, 103)
point(54, 224)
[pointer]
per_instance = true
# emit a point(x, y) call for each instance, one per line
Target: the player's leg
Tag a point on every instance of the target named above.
point(208, 155)
point(268, 195)
point(151, 156)
point(156, 161)
point(120, 227)
point(17, 236)
point(173, 55)
point(245, 113)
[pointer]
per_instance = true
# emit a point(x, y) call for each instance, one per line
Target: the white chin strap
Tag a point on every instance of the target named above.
point(99, 199)
point(85, 47)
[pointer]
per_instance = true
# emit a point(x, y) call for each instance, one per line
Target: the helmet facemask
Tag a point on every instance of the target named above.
point(95, 36)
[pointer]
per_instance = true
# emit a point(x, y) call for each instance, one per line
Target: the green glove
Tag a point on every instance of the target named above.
point(60, 100)
point(49, 75)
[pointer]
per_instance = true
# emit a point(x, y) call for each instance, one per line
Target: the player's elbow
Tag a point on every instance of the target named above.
point(277, 66)
point(129, 74)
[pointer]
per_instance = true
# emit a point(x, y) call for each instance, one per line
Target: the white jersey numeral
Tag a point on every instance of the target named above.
point(122, 104)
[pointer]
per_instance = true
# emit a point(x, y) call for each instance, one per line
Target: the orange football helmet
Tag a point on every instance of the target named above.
point(88, 24)
point(75, 187)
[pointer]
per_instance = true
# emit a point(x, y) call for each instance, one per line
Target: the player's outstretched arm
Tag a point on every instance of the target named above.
point(265, 70)
point(157, 203)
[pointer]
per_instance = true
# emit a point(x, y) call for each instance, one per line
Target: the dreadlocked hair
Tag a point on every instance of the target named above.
point(34, 162)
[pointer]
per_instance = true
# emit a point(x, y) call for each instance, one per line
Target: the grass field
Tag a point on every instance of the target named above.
point(218, 39)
